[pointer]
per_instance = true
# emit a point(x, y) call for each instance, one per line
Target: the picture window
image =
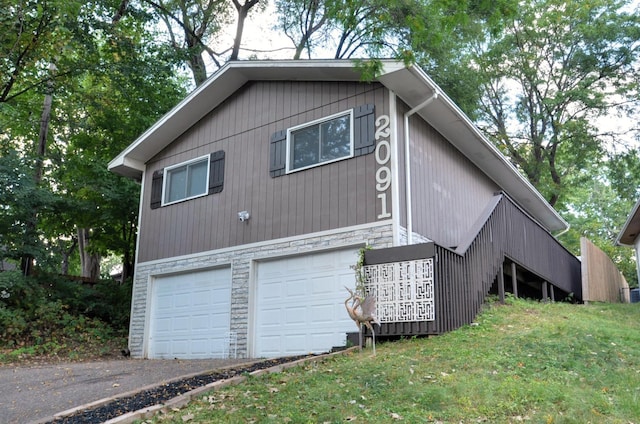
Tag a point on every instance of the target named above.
point(186, 181)
point(319, 142)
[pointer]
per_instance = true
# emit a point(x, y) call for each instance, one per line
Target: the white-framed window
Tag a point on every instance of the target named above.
point(322, 141)
point(186, 180)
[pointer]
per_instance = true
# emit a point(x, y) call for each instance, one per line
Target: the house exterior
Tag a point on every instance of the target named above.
point(259, 189)
point(630, 236)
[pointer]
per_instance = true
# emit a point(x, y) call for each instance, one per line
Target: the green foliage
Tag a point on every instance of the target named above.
point(557, 67)
point(523, 362)
point(598, 209)
point(358, 269)
point(19, 198)
point(439, 35)
point(112, 303)
point(38, 314)
point(103, 98)
point(624, 174)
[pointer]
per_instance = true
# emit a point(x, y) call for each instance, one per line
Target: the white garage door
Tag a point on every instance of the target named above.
point(300, 304)
point(190, 315)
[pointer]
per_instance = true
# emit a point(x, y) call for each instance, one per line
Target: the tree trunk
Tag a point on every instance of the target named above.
point(197, 66)
point(129, 233)
point(122, 9)
point(243, 11)
point(66, 253)
point(27, 261)
point(90, 262)
point(127, 268)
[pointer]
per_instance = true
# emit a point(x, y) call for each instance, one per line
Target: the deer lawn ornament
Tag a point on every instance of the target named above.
point(361, 312)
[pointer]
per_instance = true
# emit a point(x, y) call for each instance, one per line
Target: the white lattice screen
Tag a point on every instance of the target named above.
point(403, 290)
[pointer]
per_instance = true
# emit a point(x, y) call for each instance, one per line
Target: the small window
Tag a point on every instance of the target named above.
point(318, 142)
point(186, 181)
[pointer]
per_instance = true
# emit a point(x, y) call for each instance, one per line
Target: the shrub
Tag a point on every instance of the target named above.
point(48, 314)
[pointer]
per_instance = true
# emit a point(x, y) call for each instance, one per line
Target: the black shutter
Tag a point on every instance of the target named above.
point(364, 130)
point(156, 189)
point(216, 172)
point(278, 154)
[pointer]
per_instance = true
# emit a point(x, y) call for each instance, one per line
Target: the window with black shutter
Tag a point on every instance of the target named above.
point(188, 180)
point(336, 137)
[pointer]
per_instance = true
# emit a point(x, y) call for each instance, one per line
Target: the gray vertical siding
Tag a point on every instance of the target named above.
point(323, 198)
point(448, 191)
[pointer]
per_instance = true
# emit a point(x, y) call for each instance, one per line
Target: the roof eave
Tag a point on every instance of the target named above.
point(127, 167)
point(626, 237)
point(223, 84)
point(413, 86)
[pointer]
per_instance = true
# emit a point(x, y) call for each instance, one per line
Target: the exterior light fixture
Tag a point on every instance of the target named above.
point(243, 216)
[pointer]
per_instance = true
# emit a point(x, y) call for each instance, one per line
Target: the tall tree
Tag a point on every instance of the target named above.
point(303, 20)
point(103, 113)
point(352, 29)
point(558, 67)
point(36, 36)
point(93, 109)
point(435, 33)
point(192, 25)
point(242, 10)
point(26, 263)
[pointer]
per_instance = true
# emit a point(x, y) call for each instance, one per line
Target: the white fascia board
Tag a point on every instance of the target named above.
point(127, 167)
point(413, 86)
point(179, 119)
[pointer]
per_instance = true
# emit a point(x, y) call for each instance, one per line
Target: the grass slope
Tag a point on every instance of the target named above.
point(521, 362)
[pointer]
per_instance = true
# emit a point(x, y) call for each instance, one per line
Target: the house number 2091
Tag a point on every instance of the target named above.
point(383, 154)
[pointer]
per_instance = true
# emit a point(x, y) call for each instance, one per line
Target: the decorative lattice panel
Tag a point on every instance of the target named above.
point(403, 290)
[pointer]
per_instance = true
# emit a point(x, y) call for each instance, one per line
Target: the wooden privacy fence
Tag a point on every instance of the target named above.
point(463, 276)
point(601, 279)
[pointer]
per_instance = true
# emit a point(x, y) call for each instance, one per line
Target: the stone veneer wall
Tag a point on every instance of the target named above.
point(417, 238)
point(240, 259)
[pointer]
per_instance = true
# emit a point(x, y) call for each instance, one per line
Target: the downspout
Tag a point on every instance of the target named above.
point(563, 231)
point(407, 163)
point(395, 169)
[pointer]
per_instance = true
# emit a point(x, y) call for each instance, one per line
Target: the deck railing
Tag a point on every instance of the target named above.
point(464, 274)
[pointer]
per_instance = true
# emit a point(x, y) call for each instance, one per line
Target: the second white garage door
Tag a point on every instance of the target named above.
point(300, 303)
point(190, 315)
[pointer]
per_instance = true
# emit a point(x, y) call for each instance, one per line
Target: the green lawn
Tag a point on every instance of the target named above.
point(521, 362)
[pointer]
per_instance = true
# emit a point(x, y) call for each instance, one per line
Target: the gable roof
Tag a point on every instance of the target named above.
point(631, 228)
point(410, 83)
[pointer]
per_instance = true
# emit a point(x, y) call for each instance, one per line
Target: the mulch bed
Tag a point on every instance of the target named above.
point(163, 393)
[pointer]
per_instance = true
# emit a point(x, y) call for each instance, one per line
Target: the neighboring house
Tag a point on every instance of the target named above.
point(630, 236)
point(259, 189)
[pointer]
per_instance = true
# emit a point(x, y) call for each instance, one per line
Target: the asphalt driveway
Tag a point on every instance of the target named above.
point(31, 394)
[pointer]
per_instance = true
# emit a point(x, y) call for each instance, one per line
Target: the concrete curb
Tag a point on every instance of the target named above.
point(185, 398)
point(106, 400)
